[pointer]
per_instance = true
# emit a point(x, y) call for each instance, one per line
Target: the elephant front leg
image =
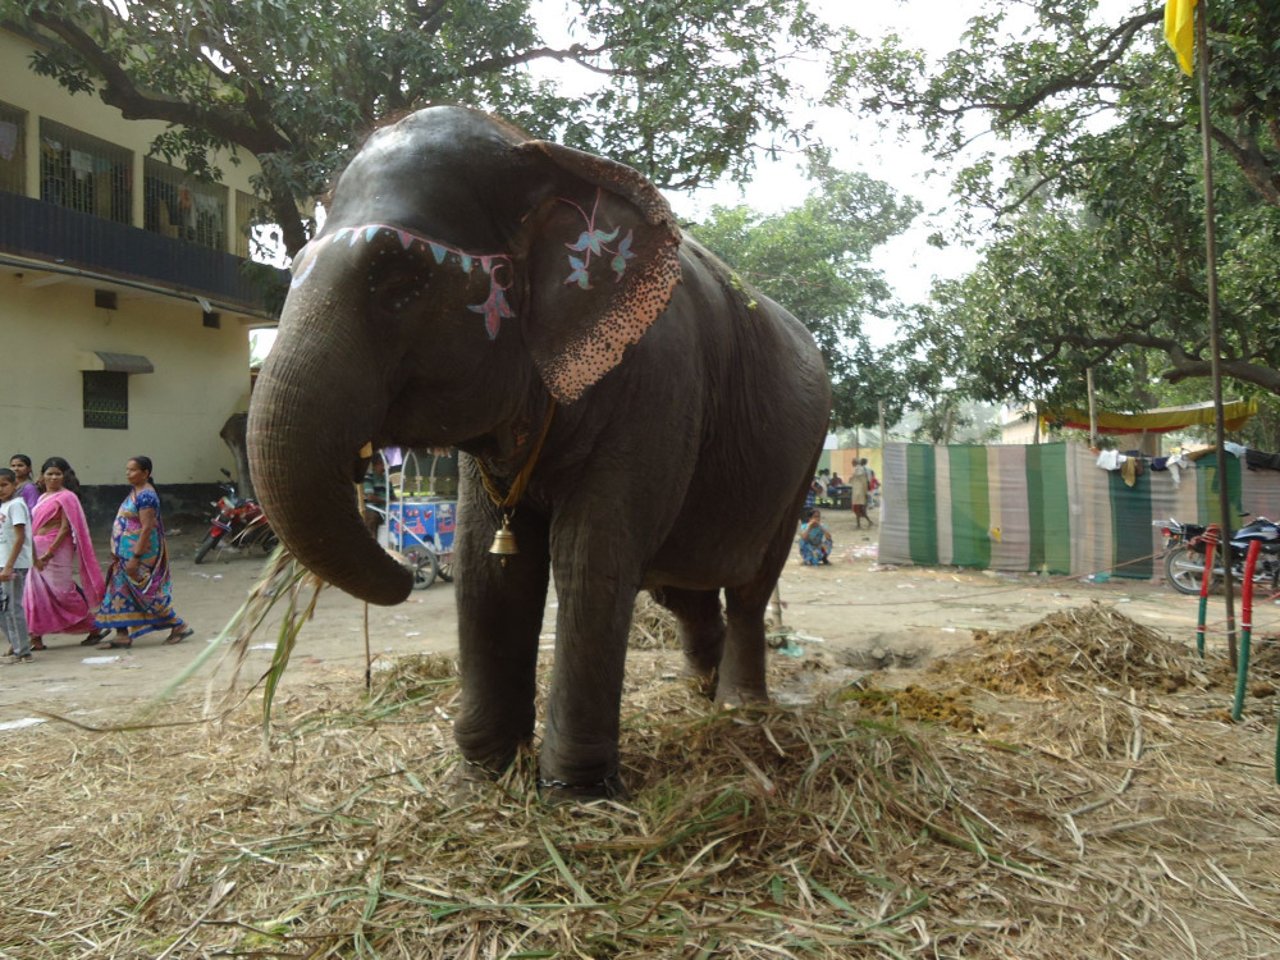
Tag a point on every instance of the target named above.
point(579, 753)
point(499, 618)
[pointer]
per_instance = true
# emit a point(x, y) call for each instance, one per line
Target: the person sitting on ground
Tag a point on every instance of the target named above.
point(815, 541)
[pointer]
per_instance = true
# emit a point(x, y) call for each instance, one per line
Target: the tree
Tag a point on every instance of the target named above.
point(815, 261)
point(1096, 206)
point(299, 83)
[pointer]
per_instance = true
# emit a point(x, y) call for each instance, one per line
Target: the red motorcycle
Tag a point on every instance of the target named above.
point(239, 523)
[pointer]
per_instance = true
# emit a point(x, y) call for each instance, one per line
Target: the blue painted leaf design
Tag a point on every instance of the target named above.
point(619, 262)
point(579, 274)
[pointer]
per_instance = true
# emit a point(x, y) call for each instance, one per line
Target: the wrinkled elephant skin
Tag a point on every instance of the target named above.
point(473, 287)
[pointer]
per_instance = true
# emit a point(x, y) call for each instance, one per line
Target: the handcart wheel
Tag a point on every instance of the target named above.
point(445, 571)
point(425, 567)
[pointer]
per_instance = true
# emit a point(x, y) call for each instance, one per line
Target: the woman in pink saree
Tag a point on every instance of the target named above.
point(53, 601)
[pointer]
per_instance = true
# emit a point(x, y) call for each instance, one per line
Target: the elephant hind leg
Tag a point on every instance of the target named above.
point(742, 668)
point(702, 630)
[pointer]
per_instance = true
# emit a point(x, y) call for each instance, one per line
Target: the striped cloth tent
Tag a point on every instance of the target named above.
point(1047, 507)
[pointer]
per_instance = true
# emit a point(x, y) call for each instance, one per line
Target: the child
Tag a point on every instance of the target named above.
point(15, 554)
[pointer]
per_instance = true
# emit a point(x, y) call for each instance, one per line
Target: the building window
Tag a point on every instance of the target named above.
point(177, 205)
point(83, 173)
point(13, 149)
point(106, 400)
point(249, 210)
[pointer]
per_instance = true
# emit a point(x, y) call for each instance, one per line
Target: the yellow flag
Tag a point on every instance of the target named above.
point(1180, 30)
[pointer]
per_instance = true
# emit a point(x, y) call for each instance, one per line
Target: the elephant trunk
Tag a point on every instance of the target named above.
point(306, 425)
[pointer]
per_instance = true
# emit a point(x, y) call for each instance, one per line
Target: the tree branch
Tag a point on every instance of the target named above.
point(120, 91)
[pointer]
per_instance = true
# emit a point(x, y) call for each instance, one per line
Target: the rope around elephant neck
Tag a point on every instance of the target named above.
point(507, 503)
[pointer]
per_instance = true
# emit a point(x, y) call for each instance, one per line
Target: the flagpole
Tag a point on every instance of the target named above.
point(1215, 351)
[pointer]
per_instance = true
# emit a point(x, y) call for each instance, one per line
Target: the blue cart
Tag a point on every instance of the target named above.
point(422, 531)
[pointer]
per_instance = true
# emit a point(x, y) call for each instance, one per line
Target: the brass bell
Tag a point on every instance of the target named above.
point(504, 541)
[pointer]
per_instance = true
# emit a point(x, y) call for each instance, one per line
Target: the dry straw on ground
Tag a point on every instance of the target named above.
point(1098, 826)
point(1094, 644)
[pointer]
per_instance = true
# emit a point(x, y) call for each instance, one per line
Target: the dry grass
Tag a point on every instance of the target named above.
point(1100, 825)
point(653, 626)
point(1092, 645)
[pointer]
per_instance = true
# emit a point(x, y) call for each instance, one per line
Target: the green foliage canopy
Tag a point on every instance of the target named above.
point(1094, 195)
point(299, 83)
point(814, 259)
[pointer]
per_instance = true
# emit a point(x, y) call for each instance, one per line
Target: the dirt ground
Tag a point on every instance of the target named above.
point(853, 615)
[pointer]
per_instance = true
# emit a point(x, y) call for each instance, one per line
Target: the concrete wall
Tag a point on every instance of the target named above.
point(201, 377)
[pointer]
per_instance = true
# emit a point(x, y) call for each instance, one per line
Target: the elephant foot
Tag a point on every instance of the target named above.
point(471, 782)
point(737, 697)
point(704, 681)
point(557, 792)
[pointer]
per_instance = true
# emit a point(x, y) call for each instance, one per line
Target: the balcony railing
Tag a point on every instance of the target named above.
point(36, 230)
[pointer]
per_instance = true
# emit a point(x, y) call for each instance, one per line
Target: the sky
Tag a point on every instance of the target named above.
point(908, 262)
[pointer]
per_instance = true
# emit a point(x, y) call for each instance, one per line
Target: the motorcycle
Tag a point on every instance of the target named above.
point(1185, 550)
point(239, 522)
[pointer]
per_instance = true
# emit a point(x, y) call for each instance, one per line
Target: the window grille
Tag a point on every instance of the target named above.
point(83, 173)
point(248, 209)
point(178, 205)
point(13, 149)
point(106, 400)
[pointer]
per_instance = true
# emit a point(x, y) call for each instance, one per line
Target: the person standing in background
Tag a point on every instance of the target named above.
point(139, 590)
point(859, 488)
point(20, 464)
point(15, 561)
point(53, 601)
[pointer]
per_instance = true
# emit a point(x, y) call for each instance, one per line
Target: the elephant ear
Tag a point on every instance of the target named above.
point(603, 260)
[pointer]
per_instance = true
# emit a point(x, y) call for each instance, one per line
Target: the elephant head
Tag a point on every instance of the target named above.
point(464, 273)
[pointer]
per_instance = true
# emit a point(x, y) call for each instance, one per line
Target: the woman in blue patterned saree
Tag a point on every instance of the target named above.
point(815, 541)
point(138, 596)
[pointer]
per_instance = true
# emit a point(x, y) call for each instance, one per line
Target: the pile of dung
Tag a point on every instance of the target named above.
point(917, 703)
point(1094, 645)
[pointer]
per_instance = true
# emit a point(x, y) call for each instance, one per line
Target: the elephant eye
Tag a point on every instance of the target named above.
point(397, 288)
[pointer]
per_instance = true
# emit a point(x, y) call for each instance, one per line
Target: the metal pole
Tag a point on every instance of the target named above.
point(1093, 410)
point(1215, 348)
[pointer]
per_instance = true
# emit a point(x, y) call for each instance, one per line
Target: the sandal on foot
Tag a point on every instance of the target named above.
point(93, 639)
point(179, 636)
point(115, 645)
point(37, 644)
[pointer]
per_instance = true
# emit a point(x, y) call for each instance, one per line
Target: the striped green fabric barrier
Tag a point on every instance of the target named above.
point(1047, 507)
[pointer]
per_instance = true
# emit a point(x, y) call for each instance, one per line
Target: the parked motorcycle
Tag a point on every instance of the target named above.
point(1185, 550)
point(239, 522)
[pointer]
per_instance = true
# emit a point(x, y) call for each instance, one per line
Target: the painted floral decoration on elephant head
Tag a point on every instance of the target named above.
point(496, 265)
point(594, 240)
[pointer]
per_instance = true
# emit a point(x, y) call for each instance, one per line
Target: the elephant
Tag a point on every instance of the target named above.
point(629, 411)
